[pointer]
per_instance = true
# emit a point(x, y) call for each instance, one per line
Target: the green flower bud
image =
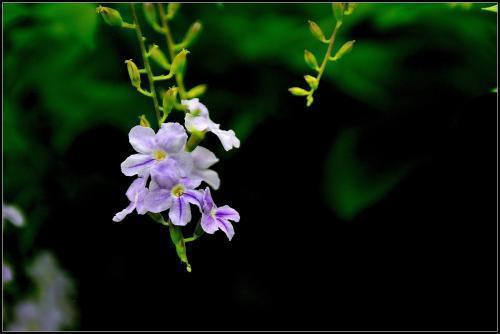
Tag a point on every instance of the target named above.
point(192, 33)
point(172, 9)
point(493, 9)
point(350, 6)
point(309, 100)
point(311, 60)
point(343, 50)
point(338, 11)
point(297, 91)
point(158, 56)
point(150, 13)
point(111, 16)
point(196, 91)
point(179, 62)
point(311, 81)
point(169, 100)
point(317, 32)
point(133, 73)
point(143, 121)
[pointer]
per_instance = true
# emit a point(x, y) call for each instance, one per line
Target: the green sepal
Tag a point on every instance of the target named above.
point(180, 247)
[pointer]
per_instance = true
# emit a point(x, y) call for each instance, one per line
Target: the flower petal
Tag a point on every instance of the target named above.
point(209, 176)
point(226, 137)
point(142, 139)
point(227, 212)
point(193, 196)
point(158, 200)
point(180, 212)
point(196, 123)
point(136, 164)
point(207, 203)
point(208, 224)
point(166, 173)
point(195, 106)
point(226, 227)
point(135, 188)
point(122, 214)
point(190, 183)
point(171, 137)
point(203, 158)
point(184, 162)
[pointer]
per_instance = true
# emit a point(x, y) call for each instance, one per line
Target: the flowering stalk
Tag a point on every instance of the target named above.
point(339, 10)
point(169, 168)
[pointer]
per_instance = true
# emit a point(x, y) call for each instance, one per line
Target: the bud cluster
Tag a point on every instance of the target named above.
point(340, 9)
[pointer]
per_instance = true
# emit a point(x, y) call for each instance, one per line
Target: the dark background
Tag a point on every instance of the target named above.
point(420, 254)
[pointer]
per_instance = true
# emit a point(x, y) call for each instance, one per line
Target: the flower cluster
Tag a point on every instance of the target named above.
point(170, 168)
point(174, 173)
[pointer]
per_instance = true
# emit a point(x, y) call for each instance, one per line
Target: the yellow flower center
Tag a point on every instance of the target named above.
point(178, 190)
point(213, 212)
point(160, 155)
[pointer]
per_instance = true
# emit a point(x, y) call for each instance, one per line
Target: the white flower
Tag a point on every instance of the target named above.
point(198, 119)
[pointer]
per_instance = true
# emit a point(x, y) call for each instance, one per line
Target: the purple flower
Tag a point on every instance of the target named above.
point(7, 273)
point(135, 193)
point(198, 120)
point(153, 148)
point(12, 214)
point(171, 189)
point(214, 218)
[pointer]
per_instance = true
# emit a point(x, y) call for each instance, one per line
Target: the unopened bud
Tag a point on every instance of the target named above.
point(297, 91)
point(143, 121)
point(350, 7)
point(338, 11)
point(192, 33)
point(133, 73)
point(158, 56)
point(169, 100)
point(179, 62)
point(309, 100)
point(111, 16)
point(345, 48)
point(172, 9)
point(311, 81)
point(311, 60)
point(317, 32)
point(196, 91)
point(493, 9)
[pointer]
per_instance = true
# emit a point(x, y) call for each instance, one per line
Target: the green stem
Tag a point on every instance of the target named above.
point(147, 66)
point(194, 140)
point(328, 51)
point(170, 45)
point(198, 232)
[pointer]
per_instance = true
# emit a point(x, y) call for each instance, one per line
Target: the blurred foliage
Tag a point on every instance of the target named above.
point(64, 74)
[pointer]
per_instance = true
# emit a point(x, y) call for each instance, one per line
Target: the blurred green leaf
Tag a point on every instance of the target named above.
point(350, 185)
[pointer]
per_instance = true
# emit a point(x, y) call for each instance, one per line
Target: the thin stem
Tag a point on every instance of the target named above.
point(147, 66)
point(144, 92)
point(198, 232)
point(170, 45)
point(328, 51)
